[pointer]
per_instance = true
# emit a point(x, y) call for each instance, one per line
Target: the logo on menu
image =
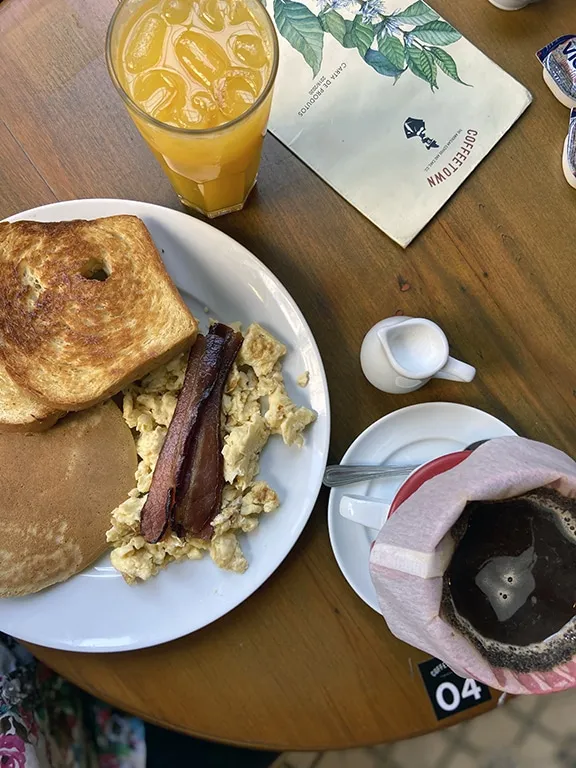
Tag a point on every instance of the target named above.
point(414, 127)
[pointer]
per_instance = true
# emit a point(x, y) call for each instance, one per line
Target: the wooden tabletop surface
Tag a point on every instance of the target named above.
point(304, 664)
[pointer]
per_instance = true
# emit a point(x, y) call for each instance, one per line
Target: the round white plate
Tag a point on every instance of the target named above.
point(409, 436)
point(96, 610)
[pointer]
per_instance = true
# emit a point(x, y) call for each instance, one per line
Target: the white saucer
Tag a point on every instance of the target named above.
point(412, 435)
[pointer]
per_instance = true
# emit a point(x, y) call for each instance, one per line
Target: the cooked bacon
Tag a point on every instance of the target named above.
point(199, 490)
point(201, 375)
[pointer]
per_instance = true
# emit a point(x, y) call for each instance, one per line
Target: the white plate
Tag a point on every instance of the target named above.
point(96, 610)
point(409, 436)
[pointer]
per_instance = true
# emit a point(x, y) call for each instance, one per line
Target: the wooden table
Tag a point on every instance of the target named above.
point(304, 664)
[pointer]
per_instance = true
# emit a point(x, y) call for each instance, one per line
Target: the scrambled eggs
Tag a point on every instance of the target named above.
point(255, 405)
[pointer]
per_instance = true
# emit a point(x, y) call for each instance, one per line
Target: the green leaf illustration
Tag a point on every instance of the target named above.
point(436, 32)
point(358, 35)
point(302, 30)
point(417, 13)
point(332, 22)
point(381, 64)
point(393, 49)
point(431, 69)
point(422, 64)
point(446, 64)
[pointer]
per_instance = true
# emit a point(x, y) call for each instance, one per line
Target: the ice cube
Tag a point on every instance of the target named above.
point(210, 13)
point(201, 111)
point(201, 56)
point(176, 11)
point(236, 91)
point(238, 12)
point(249, 50)
point(145, 45)
point(160, 93)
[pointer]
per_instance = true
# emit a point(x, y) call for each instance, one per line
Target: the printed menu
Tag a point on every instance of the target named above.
point(388, 103)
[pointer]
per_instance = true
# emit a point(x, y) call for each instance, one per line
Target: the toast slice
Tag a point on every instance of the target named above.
point(21, 411)
point(86, 307)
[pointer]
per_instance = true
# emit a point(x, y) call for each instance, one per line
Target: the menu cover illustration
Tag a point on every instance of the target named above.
point(388, 103)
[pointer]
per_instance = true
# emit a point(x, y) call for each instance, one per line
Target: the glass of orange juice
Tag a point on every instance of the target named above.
point(197, 78)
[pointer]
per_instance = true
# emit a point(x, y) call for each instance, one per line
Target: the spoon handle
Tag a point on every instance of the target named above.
point(343, 474)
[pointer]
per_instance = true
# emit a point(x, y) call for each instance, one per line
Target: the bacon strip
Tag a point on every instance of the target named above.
point(199, 492)
point(201, 376)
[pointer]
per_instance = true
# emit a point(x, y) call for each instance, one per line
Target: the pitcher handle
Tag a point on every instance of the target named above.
point(456, 370)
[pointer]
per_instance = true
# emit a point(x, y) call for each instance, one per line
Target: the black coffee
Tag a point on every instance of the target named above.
point(512, 579)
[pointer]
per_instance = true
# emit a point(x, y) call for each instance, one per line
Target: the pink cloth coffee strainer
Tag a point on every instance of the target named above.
point(414, 548)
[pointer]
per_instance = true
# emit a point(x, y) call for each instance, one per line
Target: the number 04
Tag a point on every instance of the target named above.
point(448, 696)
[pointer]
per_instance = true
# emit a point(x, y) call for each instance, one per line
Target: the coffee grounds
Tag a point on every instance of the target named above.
point(510, 587)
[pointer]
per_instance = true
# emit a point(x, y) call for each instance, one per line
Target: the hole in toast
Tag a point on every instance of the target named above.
point(95, 270)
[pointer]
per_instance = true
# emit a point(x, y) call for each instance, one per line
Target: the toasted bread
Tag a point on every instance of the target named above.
point(21, 411)
point(86, 307)
point(57, 491)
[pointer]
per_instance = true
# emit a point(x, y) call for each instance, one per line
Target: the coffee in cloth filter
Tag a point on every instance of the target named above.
point(413, 560)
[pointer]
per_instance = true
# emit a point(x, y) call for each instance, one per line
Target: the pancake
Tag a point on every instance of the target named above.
point(57, 490)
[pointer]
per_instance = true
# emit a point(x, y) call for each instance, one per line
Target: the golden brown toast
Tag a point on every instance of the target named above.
point(86, 307)
point(21, 411)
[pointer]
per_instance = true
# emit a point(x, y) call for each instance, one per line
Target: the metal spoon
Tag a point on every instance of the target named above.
point(345, 474)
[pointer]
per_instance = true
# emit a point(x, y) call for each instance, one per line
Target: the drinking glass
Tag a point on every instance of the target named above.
point(211, 169)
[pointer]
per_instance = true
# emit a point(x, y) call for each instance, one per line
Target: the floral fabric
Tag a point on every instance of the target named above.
point(46, 722)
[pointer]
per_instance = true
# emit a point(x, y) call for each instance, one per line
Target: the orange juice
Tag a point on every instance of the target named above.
point(197, 77)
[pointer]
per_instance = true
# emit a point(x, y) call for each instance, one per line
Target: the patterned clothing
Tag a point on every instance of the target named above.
point(46, 722)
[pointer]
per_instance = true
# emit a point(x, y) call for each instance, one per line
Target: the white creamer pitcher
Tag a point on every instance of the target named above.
point(401, 354)
point(512, 5)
